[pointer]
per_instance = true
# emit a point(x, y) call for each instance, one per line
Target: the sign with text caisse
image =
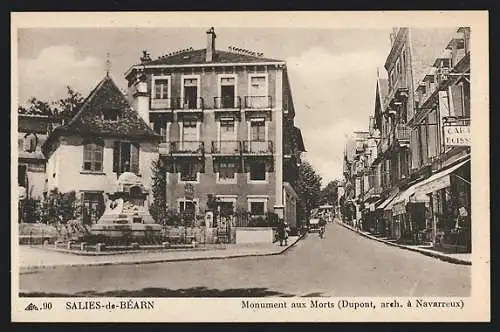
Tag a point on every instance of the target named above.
point(457, 135)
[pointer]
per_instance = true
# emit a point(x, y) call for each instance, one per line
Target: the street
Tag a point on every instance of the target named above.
point(342, 264)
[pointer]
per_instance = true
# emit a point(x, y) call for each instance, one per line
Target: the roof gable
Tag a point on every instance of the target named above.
point(198, 57)
point(90, 118)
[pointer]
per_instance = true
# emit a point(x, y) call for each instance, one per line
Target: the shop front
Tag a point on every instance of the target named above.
point(409, 216)
point(450, 207)
point(384, 214)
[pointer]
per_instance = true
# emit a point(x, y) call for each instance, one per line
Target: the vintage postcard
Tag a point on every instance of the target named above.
point(250, 167)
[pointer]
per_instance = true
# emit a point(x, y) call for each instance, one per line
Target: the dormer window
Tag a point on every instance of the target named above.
point(110, 114)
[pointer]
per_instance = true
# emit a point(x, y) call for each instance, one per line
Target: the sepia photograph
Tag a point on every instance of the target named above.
point(328, 165)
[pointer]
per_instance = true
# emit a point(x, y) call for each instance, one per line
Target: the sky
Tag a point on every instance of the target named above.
point(332, 71)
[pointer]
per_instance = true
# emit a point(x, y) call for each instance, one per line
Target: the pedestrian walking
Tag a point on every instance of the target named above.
point(282, 232)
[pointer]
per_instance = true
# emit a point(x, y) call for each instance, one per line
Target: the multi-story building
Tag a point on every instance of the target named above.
point(424, 136)
point(226, 119)
point(355, 161)
point(442, 123)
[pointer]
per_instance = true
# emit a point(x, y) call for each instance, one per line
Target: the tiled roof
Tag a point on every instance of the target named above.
point(89, 119)
point(383, 90)
point(300, 140)
point(198, 57)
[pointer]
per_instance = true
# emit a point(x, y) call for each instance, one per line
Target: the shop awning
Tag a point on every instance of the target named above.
point(439, 180)
point(387, 201)
point(410, 194)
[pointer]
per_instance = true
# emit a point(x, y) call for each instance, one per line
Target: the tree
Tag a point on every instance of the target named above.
point(36, 107)
point(66, 107)
point(159, 189)
point(308, 189)
point(329, 194)
point(69, 106)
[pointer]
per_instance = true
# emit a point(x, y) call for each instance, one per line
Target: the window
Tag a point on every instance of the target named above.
point(22, 179)
point(189, 130)
point(257, 208)
point(30, 142)
point(161, 89)
point(227, 92)
point(433, 132)
point(258, 86)
point(110, 114)
point(227, 129)
point(187, 208)
point(257, 130)
point(188, 172)
point(92, 156)
point(126, 157)
point(190, 90)
point(258, 171)
point(258, 92)
point(226, 208)
point(227, 170)
point(456, 97)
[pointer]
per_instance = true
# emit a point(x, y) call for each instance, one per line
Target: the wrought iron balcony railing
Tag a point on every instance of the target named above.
point(187, 103)
point(258, 102)
point(226, 147)
point(402, 134)
point(187, 147)
point(257, 147)
point(227, 102)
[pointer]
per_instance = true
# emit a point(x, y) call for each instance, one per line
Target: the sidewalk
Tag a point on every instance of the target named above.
point(465, 259)
point(32, 258)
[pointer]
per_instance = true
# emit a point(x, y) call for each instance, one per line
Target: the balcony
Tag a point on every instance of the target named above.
point(402, 134)
point(161, 104)
point(258, 147)
point(222, 103)
point(189, 104)
point(187, 148)
point(258, 102)
point(226, 147)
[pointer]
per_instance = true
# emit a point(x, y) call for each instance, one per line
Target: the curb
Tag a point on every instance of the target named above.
point(30, 269)
point(423, 252)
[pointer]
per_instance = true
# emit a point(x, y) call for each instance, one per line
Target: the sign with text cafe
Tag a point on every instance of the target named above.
point(457, 135)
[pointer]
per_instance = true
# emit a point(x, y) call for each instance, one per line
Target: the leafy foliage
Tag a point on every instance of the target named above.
point(65, 107)
point(308, 189)
point(329, 194)
point(60, 207)
point(158, 208)
point(37, 107)
point(69, 106)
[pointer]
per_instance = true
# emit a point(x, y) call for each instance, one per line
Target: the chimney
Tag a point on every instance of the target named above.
point(210, 45)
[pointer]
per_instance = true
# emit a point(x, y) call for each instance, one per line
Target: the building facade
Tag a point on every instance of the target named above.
point(422, 168)
point(31, 135)
point(103, 140)
point(226, 121)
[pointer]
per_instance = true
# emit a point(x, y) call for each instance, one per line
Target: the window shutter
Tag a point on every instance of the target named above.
point(456, 100)
point(134, 158)
point(116, 156)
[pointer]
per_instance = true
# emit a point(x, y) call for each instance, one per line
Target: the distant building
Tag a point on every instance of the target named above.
point(226, 121)
point(32, 131)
